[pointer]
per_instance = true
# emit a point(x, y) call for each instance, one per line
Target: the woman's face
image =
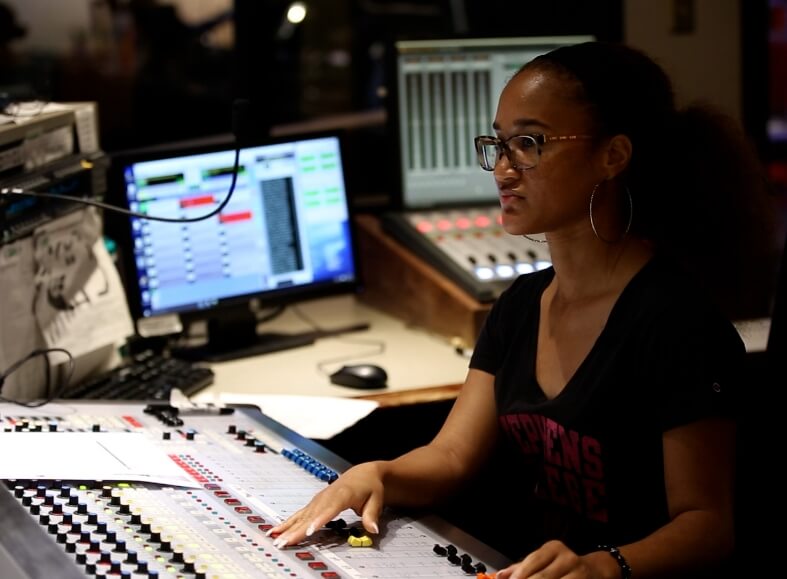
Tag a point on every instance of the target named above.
point(552, 196)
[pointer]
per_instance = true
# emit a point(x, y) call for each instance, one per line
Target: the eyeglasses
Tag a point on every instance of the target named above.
point(523, 151)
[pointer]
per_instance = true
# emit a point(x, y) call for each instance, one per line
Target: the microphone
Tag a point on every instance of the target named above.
point(240, 111)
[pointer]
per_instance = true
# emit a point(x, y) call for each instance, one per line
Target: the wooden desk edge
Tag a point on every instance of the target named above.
point(415, 396)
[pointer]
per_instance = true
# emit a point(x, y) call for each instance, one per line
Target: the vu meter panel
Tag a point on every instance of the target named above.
point(248, 473)
point(469, 246)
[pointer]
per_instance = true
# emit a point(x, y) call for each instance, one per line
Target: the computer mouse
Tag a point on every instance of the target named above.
point(361, 376)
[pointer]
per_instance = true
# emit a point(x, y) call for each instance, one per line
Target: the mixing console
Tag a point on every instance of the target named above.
point(245, 472)
point(470, 246)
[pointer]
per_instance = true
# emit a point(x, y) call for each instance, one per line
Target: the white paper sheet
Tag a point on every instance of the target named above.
point(119, 456)
point(80, 303)
point(318, 417)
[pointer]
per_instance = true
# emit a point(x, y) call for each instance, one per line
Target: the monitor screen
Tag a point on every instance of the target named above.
point(777, 72)
point(284, 235)
point(445, 95)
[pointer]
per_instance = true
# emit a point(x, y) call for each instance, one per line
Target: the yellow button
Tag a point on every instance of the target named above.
point(362, 541)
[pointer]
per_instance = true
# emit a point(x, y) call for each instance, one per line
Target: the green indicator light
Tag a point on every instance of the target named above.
point(312, 204)
point(311, 193)
point(328, 166)
point(309, 169)
point(307, 158)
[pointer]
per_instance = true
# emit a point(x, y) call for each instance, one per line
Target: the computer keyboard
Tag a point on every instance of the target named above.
point(147, 376)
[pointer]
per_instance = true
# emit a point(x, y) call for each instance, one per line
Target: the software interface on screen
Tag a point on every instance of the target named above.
point(286, 226)
point(777, 71)
point(446, 95)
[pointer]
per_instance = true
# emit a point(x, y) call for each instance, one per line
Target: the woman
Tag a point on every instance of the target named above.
point(610, 378)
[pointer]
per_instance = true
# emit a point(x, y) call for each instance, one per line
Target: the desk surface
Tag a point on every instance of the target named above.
point(421, 366)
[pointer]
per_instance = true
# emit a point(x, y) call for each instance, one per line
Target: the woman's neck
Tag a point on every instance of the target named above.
point(593, 269)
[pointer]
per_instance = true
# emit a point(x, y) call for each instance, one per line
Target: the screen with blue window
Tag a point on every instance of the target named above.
point(284, 235)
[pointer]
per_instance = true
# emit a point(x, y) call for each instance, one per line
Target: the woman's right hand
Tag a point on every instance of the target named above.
point(359, 488)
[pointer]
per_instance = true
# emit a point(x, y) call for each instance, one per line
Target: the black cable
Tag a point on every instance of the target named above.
point(116, 209)
point(239, 113)
point(50, 395)
point(321, 365)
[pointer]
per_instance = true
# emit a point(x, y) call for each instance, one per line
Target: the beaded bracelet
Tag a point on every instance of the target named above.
point(625, 568)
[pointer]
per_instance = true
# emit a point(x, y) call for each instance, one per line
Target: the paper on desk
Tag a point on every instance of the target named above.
point(318, 417)
point(119, 456)
point(80, 304)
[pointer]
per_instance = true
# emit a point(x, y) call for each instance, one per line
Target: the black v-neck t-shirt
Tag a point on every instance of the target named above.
point(589, 462)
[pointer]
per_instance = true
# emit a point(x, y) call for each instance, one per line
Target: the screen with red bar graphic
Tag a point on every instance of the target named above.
point(285, 230)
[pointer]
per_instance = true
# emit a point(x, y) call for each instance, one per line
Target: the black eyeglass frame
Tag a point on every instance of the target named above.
point(502, 147)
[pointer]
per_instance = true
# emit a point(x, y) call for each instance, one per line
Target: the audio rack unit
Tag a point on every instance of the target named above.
point(246, 473)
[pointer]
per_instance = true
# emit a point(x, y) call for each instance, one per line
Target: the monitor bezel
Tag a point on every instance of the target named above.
point(398, 200)
point(266, 298)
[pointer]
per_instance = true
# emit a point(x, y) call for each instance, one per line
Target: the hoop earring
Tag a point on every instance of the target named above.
point(628, 225)
point(533, 239)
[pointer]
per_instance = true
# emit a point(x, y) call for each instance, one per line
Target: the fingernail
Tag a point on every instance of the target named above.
point(375, 529)
point(280, 542)
point(310, 530)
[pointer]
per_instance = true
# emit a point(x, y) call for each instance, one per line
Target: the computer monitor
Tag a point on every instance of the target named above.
point(285, 235)
point(444, 95)
point(764, 88)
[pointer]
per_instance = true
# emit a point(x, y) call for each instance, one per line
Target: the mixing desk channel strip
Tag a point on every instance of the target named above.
point(217, 530)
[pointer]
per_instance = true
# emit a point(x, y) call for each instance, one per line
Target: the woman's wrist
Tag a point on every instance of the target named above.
point(614, 555)
point(603, 566)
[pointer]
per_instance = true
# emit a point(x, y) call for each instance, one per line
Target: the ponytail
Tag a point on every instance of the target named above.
point(716, 216)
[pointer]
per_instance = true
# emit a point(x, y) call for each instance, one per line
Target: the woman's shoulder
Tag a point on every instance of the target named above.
point(664, 294)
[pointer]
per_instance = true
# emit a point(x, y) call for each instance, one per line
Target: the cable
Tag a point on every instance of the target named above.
point(321, 365)
point(50, 395)
point(116, 209)
point(239, 113)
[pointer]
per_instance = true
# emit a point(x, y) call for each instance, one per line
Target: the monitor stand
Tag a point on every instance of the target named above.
point(234, 335)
